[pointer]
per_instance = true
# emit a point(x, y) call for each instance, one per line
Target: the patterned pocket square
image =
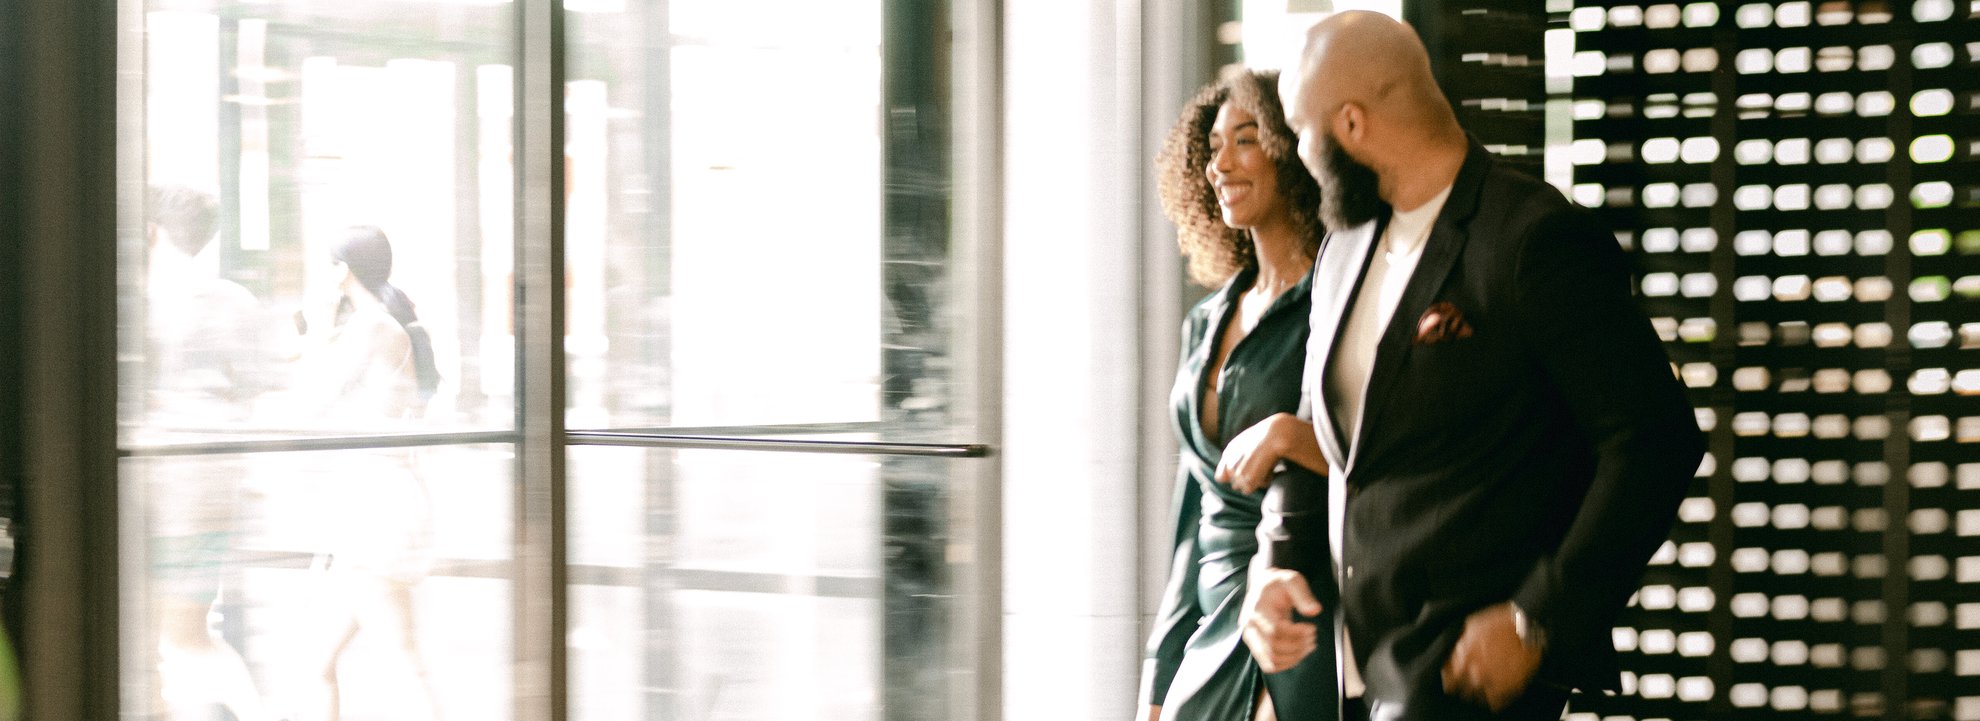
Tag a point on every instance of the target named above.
point(1441, 322)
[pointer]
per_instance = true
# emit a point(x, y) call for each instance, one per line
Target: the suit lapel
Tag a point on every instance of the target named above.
point(1440, 254)
point(1336, 281)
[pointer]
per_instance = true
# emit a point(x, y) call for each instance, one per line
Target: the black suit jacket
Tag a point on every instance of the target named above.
point(1527, 440)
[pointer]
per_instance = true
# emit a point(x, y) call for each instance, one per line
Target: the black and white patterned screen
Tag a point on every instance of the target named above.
point(1800, 186)
point(1489, 59)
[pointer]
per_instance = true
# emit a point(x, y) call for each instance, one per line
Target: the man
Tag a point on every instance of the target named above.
point(206, 364)
point(1507, 445)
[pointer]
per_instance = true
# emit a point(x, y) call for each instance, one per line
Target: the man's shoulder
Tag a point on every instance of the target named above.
point(1516, 196)
point(223, 295)
point(1515, 208)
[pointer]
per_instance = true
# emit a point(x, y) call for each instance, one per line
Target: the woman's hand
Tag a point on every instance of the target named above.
point(316, 316)
point(1250, 458)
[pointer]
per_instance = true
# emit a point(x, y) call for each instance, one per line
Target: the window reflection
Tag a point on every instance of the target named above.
point(323, 247)
point(794, 604)
point(330, 253)
point(758, 243)
point(727, 270)
point(296, 132)
point(291, 584)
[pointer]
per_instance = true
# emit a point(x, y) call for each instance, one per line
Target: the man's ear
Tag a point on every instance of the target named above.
point(1351, 122)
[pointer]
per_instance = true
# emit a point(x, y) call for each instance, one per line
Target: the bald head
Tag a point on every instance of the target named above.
point(1365, 57)
point(1364, 84)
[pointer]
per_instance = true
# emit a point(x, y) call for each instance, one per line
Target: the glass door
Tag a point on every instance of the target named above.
point(486, 359)
point(765, 390)
point(317, 396)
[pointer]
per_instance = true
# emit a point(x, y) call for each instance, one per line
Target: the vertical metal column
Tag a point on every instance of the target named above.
point(977, 223)
point(67, 349)
point(541, 590)
point(915, 252)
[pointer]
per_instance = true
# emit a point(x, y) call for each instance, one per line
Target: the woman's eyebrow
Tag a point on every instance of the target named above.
point(1253, 124)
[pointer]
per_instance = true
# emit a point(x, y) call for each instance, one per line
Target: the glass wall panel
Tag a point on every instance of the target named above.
point(758, 246)
point(762, 585)
point(733, 256)
point(354, 584)
point(327, 247)
point(319, 314)
point(326, 194)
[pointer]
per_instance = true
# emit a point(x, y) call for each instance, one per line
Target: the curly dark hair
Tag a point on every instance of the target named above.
point(1217, 251)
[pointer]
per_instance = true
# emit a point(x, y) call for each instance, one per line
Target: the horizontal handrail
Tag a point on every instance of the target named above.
point(318, 443)
point(576, 438)
point(877, 448)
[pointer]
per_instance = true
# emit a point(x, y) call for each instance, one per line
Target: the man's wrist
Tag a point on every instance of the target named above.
point(1530, 633)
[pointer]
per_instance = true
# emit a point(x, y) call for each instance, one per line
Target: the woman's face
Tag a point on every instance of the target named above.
point(1245, 179)
point(333, 273)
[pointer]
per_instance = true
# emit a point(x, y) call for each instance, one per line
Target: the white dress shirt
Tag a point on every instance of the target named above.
point(1395, 258)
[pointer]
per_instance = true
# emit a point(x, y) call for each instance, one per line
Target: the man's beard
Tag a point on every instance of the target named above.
point(1350, 193)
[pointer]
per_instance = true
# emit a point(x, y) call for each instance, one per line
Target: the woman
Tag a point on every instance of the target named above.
point(369, 365)
point(367, 358)
point(1246, 216)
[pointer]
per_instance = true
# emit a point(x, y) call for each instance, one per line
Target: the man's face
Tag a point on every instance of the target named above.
point(1302, 116)
point(1350, 192)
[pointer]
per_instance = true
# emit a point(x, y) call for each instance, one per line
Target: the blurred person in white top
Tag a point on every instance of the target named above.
point(204, 365)
point(366, 359)
point(366, 366)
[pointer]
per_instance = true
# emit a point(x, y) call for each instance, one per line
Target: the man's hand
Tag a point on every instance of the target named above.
point(1276, 640)
point(1490, 664)
point(1251, 455)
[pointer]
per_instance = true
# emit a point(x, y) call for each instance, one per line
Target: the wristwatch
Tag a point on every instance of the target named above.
point(1529, 633)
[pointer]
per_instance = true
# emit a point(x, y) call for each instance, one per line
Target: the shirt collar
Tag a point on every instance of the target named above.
point(1409, 228)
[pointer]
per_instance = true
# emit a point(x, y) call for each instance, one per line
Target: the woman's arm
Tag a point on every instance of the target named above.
point(1250, 457)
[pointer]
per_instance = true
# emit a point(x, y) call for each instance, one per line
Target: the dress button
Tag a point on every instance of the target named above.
point(1350, 572)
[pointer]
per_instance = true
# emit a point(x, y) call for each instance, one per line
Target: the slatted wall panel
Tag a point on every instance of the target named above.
point(1800, 185)
point(1488, 57)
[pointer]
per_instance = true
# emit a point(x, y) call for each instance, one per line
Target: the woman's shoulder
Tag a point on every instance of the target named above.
point(1204, 313)
point(1206, 305)
point(376, 326)
point(1220, 296)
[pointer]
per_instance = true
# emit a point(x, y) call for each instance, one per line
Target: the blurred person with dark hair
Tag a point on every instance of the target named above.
point(1244, 210)
point(1506, 442)
point(367, 364)
point(367, 357)
point(205, 365)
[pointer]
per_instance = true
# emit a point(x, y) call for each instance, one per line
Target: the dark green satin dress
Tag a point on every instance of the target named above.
point(1198, 668)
